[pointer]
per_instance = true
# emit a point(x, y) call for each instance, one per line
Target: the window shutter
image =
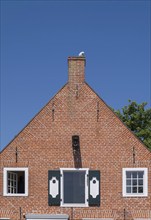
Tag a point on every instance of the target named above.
point(54, 187)
point(94, 188)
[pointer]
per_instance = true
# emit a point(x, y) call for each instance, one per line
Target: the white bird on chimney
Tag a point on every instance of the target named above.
point(81, 54)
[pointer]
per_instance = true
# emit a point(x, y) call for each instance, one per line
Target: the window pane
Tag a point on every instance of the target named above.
point(128, 189)
point(134, 182)
point(140, 182)
point(140, 189)
point(128, 182)
point(21, 182)
point(74, 186)
point(128, 174)
point(140, 174)
point(134, 189)
point(134, 174)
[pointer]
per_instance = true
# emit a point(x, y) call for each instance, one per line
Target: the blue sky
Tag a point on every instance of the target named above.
point(38, 36)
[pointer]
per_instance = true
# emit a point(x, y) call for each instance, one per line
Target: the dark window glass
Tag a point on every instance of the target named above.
point(140, 174)
point(74, 186)
point(128, 182)
point(134, 189)
point(134, 174)
point(128, 174)
point(134, 182)
point(128, 189)
point(21, 182)
point(140, 189)
point(140, 182)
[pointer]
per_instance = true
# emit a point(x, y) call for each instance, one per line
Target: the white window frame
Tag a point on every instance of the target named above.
point(145, 183)
point(62, 187)
point(5, 177)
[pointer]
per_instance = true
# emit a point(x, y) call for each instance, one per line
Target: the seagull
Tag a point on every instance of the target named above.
point(81, 54)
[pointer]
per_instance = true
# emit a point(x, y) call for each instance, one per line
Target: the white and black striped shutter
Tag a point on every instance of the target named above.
point(94, 188)
point(54, 187)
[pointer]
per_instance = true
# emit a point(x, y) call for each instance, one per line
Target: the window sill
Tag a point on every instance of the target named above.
point(15, 195)
point(134, 196)
point(5, 218)
point(74, 205)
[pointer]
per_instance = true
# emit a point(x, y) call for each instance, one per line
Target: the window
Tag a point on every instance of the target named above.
point(74, 187)
point(135, 182)
point(15, 182)
point(71, 187)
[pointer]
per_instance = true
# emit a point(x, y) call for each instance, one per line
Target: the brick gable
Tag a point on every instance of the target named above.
point(106, 144)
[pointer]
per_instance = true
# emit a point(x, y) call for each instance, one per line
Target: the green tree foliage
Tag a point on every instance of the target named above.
point(138, 119)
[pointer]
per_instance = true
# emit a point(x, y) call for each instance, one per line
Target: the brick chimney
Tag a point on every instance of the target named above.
point(76, 70)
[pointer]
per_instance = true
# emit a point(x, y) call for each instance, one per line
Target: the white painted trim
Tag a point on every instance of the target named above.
point(5, 218)
point(46, 216)
point(5, 169)
point(145, 182)
point(142, 218)
point(86, 187)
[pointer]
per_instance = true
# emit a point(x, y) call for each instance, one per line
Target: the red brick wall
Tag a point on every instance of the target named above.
point(105, 144)
point(76, 70)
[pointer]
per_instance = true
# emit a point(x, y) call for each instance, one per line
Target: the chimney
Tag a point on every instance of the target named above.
point(76, 70)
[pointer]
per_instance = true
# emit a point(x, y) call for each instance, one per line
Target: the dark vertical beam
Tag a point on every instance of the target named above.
point(53, 112)
point(76, 151)
point(124, 214)
point(98, 111)
point(71, 218)
point(16, 153)
point(133, 155)
point(77, 92)
point(20, 211)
